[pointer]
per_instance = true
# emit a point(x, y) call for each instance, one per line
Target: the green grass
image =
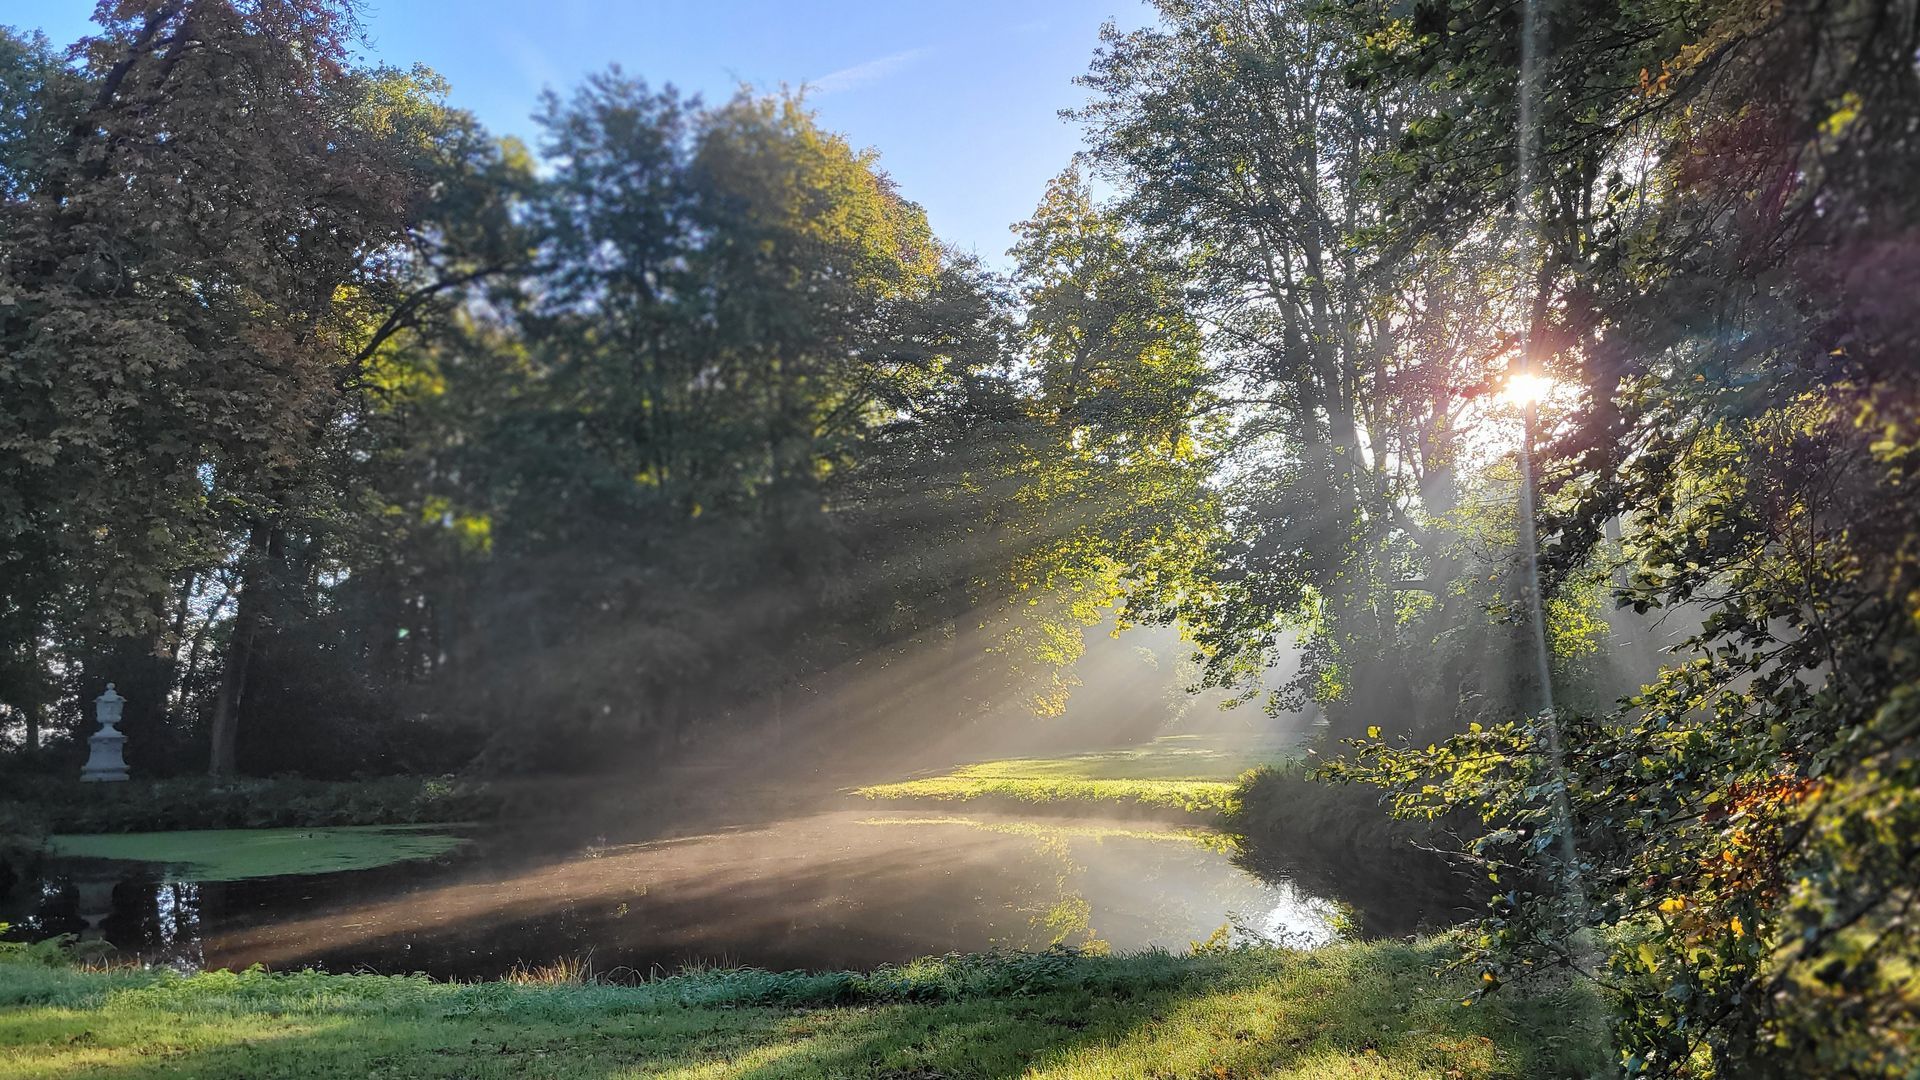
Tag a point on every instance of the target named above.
point(1195, 774)
point(1375, 1010)
point(1208, 839)
point(233, 854)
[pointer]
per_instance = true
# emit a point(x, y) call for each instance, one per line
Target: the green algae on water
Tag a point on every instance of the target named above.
point(234, 854)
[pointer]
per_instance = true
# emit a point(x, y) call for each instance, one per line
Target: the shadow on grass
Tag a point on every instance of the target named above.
point(1374, 1010)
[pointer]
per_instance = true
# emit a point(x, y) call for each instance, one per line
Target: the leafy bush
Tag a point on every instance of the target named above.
point(22, 837)
point(45, 805)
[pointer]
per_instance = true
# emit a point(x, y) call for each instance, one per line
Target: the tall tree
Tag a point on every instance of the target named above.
point(1241, 142)
point(190, 276)
point(1126, 421)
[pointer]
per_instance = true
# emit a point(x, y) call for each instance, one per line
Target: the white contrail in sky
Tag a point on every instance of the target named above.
point(858, 75)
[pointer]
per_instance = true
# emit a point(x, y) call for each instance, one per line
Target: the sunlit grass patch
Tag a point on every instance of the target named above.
point(1192, 796)
point(1196, 774)
point(235, 854)
point(1199, 797)
point(1375, 1010)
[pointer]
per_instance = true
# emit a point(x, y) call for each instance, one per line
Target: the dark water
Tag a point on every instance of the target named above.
point(837, 889)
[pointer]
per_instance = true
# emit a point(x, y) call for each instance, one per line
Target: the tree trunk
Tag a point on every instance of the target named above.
point(176, 638)
point(191, 666)
point(264, 548)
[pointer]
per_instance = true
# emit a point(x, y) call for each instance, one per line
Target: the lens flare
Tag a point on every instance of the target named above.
point(1525, 388)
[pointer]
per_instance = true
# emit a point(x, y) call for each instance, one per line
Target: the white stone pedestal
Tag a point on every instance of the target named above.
point(106, 761)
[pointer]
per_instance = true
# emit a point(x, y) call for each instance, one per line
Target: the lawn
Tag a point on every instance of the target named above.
point(1373, 1010)
point(1196, 774)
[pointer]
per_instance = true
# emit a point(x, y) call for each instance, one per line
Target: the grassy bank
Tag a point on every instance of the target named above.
point(968, 785)
point(1374, 1010)
point(1192, 775)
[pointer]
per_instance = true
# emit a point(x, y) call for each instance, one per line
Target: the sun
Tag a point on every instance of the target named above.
point(1525, 388)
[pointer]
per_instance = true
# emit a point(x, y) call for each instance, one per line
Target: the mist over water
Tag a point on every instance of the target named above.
point(756, 854)
point(849, 889)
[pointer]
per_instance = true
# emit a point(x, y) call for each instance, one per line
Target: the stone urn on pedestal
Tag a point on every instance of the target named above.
point(106, 761)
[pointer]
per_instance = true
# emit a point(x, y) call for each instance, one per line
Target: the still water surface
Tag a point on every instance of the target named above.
point(833, 889)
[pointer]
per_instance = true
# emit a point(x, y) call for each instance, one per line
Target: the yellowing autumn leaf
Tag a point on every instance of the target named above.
point(1844, 116)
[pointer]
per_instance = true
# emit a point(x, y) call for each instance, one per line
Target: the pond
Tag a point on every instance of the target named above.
point(837, 888)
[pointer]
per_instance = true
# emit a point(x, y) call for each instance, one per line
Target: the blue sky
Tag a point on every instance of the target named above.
point(960, 98)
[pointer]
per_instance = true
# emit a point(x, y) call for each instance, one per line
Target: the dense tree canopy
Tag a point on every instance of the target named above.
point(342, 442)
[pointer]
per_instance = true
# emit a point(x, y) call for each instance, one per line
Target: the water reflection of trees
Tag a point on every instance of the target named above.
point(1392, 889)
point(133, 913)
point(1152, 887)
